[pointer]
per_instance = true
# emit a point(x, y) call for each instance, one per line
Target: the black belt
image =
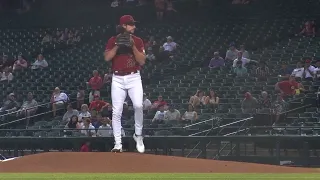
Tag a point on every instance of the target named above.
point(124, 73)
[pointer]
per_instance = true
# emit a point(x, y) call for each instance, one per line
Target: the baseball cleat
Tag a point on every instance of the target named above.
point(117, 148)
point(140, 146)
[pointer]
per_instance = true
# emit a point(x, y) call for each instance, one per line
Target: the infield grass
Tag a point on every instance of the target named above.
point(127, 176)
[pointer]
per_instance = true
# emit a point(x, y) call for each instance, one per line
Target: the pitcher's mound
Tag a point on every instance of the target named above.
point(67, 162)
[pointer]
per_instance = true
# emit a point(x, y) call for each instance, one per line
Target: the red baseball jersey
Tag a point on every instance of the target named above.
point(125, 62)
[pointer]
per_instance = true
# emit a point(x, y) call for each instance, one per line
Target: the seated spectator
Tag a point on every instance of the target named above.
point(212, 101)
point(170, 46)
point(97, 104)
point(216, 61)
point(150, 56)
point(172, 113)
point(317, 70)
point(245, 53)
point(244, 61)
point(279, 106)
point(163, 55)
point(146, 103)
point(159, 116)
point(29, 107)
point(5, 63)
point(72, 124)
point(46, 39)
point(95, 83)
point(58, 100)
point(309, 29)
point(6, 75)
point(307, 72)
point(249, 104)
point(80, 97)
point(70, 112)
point(108, 77)
point(190, 114)
point(239, 70)
point(264, 101)
point(231, 54)
point(107, 112)
point(105, 130)
point(84, 113)
point(88, 129)
point(199, 99)
point(20, 63)
point(40, 63)
point(96, 119)
point(10, 104)
point(160, 102)
point(262, 72)
point(285, 71)
point(289, 87)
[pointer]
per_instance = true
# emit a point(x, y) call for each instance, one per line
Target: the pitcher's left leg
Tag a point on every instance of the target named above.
point(136, 95)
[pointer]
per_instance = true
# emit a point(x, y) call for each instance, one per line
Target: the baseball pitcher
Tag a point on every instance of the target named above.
point(127, 54)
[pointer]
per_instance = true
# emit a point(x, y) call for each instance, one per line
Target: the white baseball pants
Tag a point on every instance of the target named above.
point(120, 86)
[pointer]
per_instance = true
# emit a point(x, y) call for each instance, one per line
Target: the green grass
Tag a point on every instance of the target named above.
point(127, 176)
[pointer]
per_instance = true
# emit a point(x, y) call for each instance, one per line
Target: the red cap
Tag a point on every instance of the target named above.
point(308, 61)
point(126, 19)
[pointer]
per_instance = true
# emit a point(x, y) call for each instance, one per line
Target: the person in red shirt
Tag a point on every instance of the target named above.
point(95, 84)
point(85, 147)
point(97, 104)
point(289, 87)
point(127, 60)
point(160, 102)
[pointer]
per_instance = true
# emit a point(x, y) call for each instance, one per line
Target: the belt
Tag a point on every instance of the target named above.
point(124, 73)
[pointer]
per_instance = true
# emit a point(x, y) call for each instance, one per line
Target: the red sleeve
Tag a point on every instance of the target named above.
point(282, 84)
point(90, 81)
point(91, 105)
point(139, 44)
point(110, 43)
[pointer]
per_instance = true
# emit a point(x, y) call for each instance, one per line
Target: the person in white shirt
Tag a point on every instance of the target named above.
point(298, 71)
point(39, 63)
point(231, 54)
point(172, 113)
point(105, 130)
point(84, 112)
point(245, 53)
point(191, 114)
point(242, 59)
point(307, 72)
point(317, 70)
point(88, 129)
point(146, 102)
point(159, 116)
point(170, 46)
point(58, 100)
point(6, 75)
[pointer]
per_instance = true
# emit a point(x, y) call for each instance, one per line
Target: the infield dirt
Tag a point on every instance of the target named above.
point(75, 162)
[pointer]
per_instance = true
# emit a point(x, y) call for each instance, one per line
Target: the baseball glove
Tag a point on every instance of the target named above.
point(124, 40)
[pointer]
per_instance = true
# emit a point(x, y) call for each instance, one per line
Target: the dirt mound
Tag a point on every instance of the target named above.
point(64, 162)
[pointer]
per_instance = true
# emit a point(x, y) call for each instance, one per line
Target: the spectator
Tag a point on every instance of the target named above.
point(309, 29)
point(6, 75)
point(198, 99)
point(163, 55)
point(245, 53)
point(70, 112)
point(115, 3)
point(95, 84)
point(244, 61)
point(40, 63)
point(88, 129)
point(172, 113)
point(249, 104)
point(160, 8)
point(289, 87)
point(20, 63)
point(262, 72)
point(84, 113)
point(46, 39)
point(108, 77)
point(85, 147)
point(58, 100)
point(170, 46)
point(80, 97)
point(105, 130)
point(239, 70)
point(159, 116)
point(146, 103)
point(29, 107)
point(5, 62)
point(308, 71)
point(72, 124)
point(10, 104)
point(317, 70)
point(264, 101)
point(160, 102)
point(150, 56)
point(279, 106)
point(216, 61)
point(285, 71)
point(231, 53)
point(212, 100)
point(190, 114)
point(97, 104)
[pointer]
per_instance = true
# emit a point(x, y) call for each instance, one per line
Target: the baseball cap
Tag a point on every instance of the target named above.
point(308, 61)
point(126, 19)
point(169, 37)
point(11, 94)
